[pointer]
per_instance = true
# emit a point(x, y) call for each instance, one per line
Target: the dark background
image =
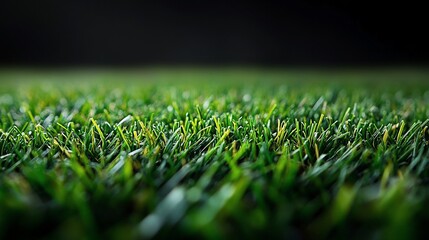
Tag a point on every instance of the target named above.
point(139, 33)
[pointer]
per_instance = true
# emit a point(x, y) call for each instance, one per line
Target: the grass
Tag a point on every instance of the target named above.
point(240, 153)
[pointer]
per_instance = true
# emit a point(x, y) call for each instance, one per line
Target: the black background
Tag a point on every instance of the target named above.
point(128, 33)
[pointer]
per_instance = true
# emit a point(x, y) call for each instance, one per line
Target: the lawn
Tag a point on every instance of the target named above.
point(215, 154)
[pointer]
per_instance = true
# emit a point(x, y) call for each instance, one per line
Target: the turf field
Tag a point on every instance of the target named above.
point(216, 154)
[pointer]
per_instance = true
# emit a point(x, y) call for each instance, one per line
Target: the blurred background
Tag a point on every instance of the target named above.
point(201, 33)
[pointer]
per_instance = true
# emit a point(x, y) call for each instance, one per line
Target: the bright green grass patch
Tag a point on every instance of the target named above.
point(214, 154)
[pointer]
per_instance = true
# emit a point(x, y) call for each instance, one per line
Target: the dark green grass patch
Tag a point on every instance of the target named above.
point(214, 154)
